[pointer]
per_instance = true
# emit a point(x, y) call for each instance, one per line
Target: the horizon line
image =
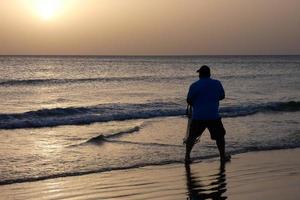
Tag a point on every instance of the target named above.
point(146, 55)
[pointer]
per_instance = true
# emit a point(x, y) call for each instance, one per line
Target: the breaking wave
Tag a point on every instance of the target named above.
point(17, 82)
point(101, 138)
point(118, 112)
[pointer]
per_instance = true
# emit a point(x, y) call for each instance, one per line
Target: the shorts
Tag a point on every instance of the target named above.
point(215, 127)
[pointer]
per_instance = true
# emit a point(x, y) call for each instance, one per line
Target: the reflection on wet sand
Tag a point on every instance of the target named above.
point(211, 186)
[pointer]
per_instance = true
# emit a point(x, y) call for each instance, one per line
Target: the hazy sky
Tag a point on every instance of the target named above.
point(152, 27)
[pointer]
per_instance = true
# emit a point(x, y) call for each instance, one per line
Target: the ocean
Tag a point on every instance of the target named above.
point(72, 115)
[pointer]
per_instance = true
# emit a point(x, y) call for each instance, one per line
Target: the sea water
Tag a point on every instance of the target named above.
point(72, 115)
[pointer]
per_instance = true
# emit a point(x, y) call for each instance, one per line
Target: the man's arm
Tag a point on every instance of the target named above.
point(189, 96)
point(222, 92)
point(189, 101)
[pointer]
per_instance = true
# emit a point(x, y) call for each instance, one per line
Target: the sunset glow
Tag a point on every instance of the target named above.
point(143, 27)
point(47, 9)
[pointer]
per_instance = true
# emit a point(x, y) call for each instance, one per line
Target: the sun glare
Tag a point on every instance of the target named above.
point(47, 9)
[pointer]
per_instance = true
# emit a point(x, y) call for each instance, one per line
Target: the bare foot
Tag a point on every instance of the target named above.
point(226, 158)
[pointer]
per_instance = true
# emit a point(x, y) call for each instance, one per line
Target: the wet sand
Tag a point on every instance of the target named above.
point(256, 175)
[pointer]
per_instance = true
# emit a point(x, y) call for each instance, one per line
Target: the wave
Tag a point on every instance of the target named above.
point(146, 143)
point(58, 81)
point(102, 138)
point(64, 81)
point(158, 163)
point(14, 82)
point(88, 115)
point(117, 112)
point(68, 174)
point(250, 109)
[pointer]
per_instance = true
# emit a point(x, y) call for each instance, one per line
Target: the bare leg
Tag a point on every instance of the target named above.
point(196, 129)
point(221, 147)
point(189, 146)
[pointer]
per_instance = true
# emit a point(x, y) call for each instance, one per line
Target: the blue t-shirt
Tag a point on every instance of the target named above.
point(204, 96)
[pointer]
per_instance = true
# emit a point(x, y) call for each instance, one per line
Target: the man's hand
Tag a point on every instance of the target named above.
point(189, 102)
point(222, 97)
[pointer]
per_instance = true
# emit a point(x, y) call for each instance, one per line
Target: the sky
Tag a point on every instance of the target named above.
point(149, 27)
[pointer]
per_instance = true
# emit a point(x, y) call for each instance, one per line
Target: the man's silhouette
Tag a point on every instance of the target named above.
point(204, 96)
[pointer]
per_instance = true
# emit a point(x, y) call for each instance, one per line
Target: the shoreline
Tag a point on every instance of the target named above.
point(195, 160)
point(271, 174)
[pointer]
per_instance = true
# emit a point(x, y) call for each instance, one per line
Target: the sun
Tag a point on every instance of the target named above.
point(48, 9)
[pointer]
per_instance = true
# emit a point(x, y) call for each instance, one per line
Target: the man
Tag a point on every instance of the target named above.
point(204, 96)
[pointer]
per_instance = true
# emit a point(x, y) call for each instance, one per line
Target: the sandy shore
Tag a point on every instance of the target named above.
point(257, 175)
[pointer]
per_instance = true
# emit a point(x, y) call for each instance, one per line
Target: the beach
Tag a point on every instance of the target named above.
point(257, 175)
point(105, 127)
